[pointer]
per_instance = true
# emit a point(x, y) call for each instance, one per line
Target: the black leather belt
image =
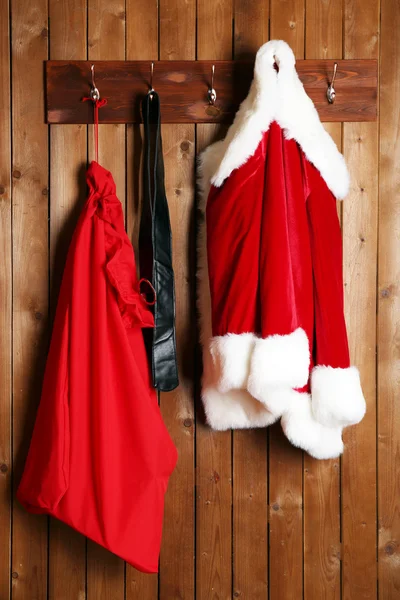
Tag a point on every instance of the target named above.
point(155, 252)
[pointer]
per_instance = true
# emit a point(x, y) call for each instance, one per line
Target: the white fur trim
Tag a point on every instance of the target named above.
point(303, 431)
point(279, 361)
point(235, 409)
point(279, 97)
point(279, 401)
point(337, 398)
point(231, 356)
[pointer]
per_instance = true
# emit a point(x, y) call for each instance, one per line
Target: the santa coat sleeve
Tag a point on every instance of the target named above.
point(337, 399)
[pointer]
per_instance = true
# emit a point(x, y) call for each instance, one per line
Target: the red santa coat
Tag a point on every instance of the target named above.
point(271, 289)
point(100, 456)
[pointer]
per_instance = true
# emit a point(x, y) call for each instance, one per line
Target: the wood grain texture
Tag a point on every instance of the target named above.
point(285, 461)
point(214, 31)
point(213, 481)
point(141, 44)
point(250, 28)
point(321, 480)
point(287, 23)
point(177, 30)
point(321, 514)
point(250, 514)
point(321, 484)
point(359, 460)
point(388, 434)
point(183, 87)
point(30, 277)
point(213, 448)
point(6, 304)
point(324, 29)
point(285, 518)
point(67, 548)
point(177, 552)
point(106, 40)
point(177, 569)
point(250, 448)
point(360, 142)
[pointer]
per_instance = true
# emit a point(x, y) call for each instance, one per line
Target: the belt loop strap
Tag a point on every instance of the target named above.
point(155, 250)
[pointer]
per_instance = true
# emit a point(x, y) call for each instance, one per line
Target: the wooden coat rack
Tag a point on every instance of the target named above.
point(183, 88)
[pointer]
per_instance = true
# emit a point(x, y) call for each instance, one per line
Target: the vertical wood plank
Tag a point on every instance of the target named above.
point(106, 40)
point(389, 306)
point(215, 455)
point(324, 29)
point(178, 41)
point(30, 276)
point(68, 156)
point(5, 303)
point(213, 482)
point(213, 449)
point(250, 447)
point(141, 44)
point(250, 27)
point(286, 461)
point(286, 518)
point(322, 545)
point(359, 573)
point(177, 552)
point(287, 23)
point(359, 459)
point(322, 477)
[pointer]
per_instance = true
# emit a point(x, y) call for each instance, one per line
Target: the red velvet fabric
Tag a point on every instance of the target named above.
point(100, 456)
point(274, 251)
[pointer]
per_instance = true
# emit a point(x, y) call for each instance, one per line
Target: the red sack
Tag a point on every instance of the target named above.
point(100, 456)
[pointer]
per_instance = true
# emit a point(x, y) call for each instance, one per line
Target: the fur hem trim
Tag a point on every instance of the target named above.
point(235, 409)
point(278, 97)
point(337, 398)
point(303, 431)
point(279, 361)
point(231, 355)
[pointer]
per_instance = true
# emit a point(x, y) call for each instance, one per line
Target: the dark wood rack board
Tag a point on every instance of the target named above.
point(183, 86)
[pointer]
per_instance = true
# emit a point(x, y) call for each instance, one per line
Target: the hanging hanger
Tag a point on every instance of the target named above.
point(330, 92)
point(151, 90)
point(212, 94)
point(94, 96)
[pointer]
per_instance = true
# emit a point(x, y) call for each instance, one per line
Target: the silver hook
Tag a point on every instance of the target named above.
point(212, 94)
point(330, 92)
point(151, 82)
point(94, 92)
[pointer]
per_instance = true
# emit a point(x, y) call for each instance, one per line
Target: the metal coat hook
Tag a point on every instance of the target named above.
point(151, 90)
point(212, 94)
point(330, 92)
point(94, 92)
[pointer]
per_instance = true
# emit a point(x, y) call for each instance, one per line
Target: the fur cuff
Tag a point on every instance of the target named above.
point(231, 356)
point(303, 431)
point(337, 398)
point(235, 409)
point(278, 361)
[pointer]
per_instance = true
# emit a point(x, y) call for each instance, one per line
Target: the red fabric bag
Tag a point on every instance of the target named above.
point(100, 456)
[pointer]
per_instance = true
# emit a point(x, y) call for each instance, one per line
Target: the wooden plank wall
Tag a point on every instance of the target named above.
point(247, 516)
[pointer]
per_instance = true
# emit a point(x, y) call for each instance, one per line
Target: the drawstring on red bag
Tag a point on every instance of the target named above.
point(97, 103)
